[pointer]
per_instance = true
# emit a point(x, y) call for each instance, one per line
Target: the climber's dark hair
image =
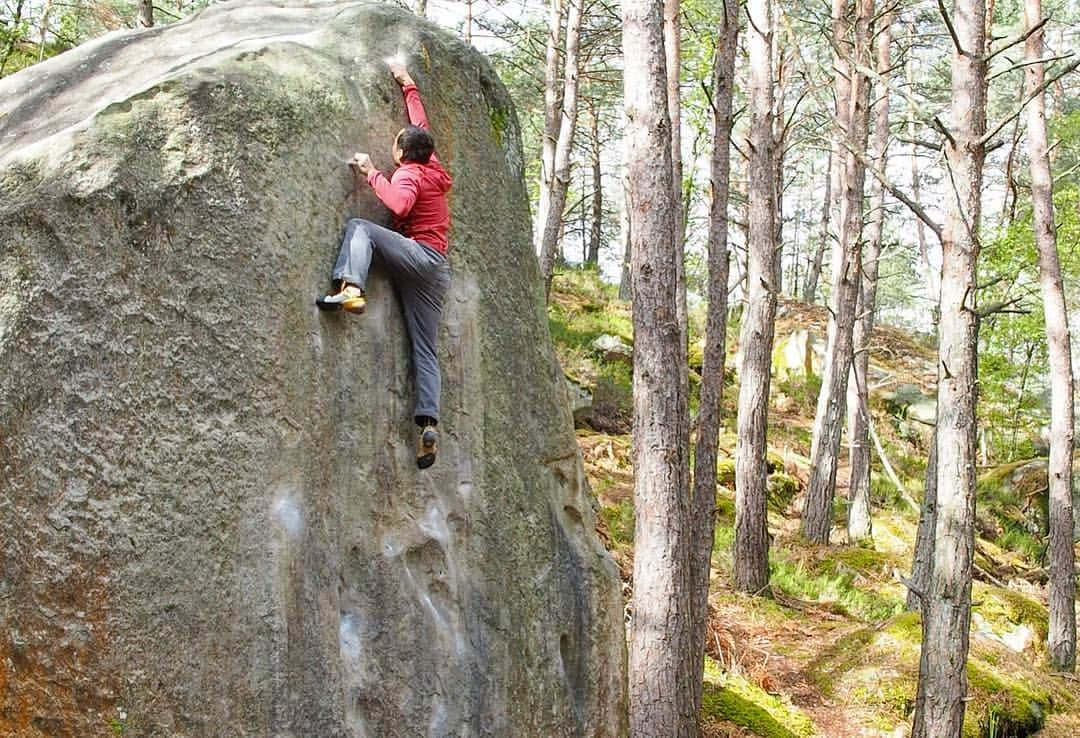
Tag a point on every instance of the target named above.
point(416, 144)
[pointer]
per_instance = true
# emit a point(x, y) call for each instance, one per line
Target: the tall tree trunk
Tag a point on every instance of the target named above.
point(673, 52)
point(626, 278)
point(779, 150)
point(829, 419)
point(939, 710)
point(813, 273)
point(596, 227)
point(859, 520)
point(146, 13)
point(1061, 638)
point(751, 554)
point(703, 504)
point(560, 182)
point(661, 696)
point(552, 117)
point(922, 562)
point(916, 181)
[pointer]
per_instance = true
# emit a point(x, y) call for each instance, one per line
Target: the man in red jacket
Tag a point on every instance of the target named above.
point(414, 258)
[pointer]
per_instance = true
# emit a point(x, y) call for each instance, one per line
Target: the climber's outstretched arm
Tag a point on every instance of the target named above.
point(417, 115)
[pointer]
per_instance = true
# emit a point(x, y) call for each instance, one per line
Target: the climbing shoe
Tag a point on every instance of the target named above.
point(427, 446)
point(350, 298)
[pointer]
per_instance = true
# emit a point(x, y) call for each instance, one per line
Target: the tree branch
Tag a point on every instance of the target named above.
point(1021, 65)
point(898, 193)
point(1023, 104)
point(949, 25)
point(1019, 39)
point(1001, 306)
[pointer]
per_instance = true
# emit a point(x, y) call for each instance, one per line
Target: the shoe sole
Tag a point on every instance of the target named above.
point(427, 458)
point(356, 306)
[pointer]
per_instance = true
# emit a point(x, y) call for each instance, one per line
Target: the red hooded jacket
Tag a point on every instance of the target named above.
point(416, 193)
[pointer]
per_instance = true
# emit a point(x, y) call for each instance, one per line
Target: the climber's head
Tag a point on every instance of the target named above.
point(413, 143)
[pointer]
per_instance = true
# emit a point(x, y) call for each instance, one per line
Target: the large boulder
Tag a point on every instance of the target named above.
point(212, 521)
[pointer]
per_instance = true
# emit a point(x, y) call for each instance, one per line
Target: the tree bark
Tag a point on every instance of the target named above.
point(596, 227)
point(859, 526)
point(751, 554)
point(813, 273)
point(939, 710)
point(626, 278)
point(1061, 638)
point(703, 504)
point(916, 181)
point(146, 13)
point(661, 695)
point(552, 116)
point(828, 421)
point(673, 52)
point(560, 180)
point(922, 561)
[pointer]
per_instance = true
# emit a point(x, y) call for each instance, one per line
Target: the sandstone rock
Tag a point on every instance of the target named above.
point(212, 520)
point(611, 348)
point(798, 354)
point(581, 402)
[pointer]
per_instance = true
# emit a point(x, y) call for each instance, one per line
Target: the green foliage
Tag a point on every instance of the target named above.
point(1012, 345)
point(732, 698)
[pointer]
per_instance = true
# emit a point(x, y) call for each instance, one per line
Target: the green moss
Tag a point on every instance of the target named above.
point(1004, 609)
point(732, 698)
point(500, 120)
point(836, 661)
point(905, 628)
point(782, 489)
point(1000, 705)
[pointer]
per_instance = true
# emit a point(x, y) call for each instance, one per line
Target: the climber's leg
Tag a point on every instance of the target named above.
point(422, 293)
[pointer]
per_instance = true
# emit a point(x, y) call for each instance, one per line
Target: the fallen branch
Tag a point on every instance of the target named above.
point(889, 472)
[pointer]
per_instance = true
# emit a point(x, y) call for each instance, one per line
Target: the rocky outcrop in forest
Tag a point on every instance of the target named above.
point(212, 520)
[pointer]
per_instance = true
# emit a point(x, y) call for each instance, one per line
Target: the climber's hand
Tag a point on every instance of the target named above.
point(361, 164)
point(401, 74)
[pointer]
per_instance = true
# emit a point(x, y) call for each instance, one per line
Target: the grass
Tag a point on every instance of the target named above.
point(839, 586)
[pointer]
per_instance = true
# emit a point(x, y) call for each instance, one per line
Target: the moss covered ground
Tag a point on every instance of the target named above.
point(829, 650)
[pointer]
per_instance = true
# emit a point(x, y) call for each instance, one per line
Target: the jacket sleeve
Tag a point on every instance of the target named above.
point(397, 193)
point(417, 115)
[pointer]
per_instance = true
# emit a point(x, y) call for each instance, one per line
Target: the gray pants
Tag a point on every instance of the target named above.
point(421, 277)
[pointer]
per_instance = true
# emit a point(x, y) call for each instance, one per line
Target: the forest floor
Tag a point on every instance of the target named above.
point(828, 649)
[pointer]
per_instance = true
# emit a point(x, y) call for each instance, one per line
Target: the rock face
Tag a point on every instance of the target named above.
point(211, 520)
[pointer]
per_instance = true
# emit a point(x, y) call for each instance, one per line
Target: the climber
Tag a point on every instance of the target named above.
point(414, 258)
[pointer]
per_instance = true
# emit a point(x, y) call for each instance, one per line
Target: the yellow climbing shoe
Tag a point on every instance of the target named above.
point(350, 298)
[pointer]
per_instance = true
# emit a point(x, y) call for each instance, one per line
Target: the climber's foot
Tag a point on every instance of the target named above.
point(350, 298)
point(426, 446)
